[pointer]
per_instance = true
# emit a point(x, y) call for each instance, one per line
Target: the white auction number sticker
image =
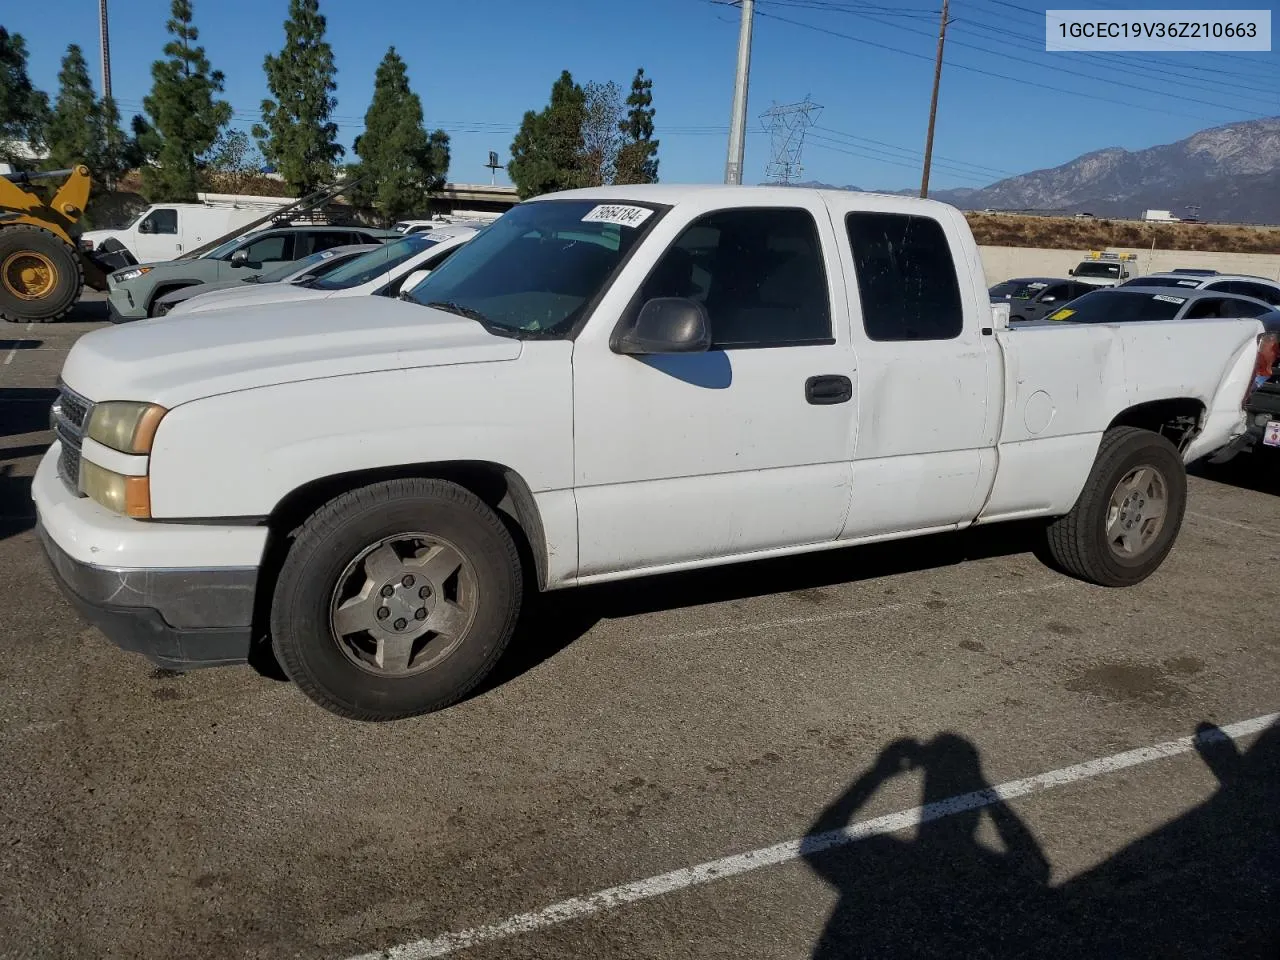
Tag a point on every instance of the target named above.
point(622, 214)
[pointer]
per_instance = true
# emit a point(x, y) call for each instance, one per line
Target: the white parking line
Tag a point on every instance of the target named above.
point(1233, 523)
point(9, 357)
point(789, 850)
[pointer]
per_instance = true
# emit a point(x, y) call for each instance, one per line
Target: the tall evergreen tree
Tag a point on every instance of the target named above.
point(638, 155)
point(547, 153)
point(186, 114)
point(24, 110)
point(297, 135)
point(601, 133)
point(402, 164)
point(86, 130)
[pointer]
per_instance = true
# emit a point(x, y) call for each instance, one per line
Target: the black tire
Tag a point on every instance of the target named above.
point(68, 282)
point(1078, 542)
point(308, 648)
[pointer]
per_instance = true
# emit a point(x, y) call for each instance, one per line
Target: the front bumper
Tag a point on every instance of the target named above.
point(179, 619)
point(181, 594)
point(121, 306)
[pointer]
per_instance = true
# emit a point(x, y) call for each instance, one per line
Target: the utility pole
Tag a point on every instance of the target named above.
point(738, 120)
point(933, 104)
point(105, 42)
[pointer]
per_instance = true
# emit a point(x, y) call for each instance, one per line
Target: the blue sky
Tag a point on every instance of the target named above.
point(479, 64)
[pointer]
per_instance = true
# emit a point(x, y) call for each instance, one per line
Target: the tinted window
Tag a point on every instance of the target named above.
point(1184, 282)
point(906, 279)
point(161, 221)
point(1016, 289)
point(759, 274)
point(1225, 307)
point(1120, 306)
point(1259, 291)
point(318, 242)
point(269, 249)
point(1058, 292)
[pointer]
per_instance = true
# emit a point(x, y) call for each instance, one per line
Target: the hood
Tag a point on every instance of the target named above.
point(97, 236)
point(173, 360)
point(200, 289)
point(247, 295)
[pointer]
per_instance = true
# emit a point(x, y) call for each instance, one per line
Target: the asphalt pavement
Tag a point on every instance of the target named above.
point(962, 729)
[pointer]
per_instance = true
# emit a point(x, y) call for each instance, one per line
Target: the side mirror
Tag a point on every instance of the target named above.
point(146, 226)
point(411, 281)
point(664, 325)
point(1048, 299)
point(240, 258)
point(1071, 272)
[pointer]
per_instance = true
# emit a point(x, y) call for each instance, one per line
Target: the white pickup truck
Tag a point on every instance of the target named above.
point(604, 384)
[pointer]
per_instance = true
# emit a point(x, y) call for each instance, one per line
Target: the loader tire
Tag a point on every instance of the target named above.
point(41, 276)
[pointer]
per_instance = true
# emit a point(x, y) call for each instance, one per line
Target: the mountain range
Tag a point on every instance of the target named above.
point(1228, 173)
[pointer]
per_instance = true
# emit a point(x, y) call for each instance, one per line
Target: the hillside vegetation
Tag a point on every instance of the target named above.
point(1070, 233)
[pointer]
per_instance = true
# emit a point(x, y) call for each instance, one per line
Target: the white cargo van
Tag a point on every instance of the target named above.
point(165, 231)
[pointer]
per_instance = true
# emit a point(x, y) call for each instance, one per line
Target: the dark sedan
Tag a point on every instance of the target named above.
point(1031, 298)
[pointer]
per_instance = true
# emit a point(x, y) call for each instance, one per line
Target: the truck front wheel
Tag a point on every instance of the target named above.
point(396, 599)
point(1129, 513)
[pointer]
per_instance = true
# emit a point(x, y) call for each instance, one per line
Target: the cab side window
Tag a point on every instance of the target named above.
point(1259, 291)
point(326, 240)
point(759, 273)
point(1057, 293)
point(160, 221)
point(270, 249)
point(906, 279)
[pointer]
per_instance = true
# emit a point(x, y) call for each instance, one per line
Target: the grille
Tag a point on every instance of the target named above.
point(69, 415)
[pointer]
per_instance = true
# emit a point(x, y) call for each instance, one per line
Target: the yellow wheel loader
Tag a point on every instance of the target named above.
point(43, 271)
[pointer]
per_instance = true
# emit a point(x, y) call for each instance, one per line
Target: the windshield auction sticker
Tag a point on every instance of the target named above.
point(1160, 31)
point(1162, 298)
point(621, 214)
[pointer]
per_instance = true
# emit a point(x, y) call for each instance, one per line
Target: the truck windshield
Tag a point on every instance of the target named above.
point(1120, 306)
point(535, 270)
point(375, 263)
point(1096, 269)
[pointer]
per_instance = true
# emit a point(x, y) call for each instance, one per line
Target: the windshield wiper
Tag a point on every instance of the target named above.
point(471, 313)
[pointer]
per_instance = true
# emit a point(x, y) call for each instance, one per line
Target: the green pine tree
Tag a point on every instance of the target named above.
point(297, 135)
point(638, 156)
point(183, 107)
point(401, 164)
point(24, 110)
point(86, 130)
point(547, 153)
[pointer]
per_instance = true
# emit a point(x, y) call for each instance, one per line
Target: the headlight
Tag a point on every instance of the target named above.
point(133, 273)
point(125, 425)
point(129, 496)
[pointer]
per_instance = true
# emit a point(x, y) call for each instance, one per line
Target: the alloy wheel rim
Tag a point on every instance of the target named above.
point(1137, 511)
point(403, 604)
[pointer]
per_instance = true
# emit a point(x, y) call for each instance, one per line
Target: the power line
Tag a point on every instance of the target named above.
point(1068, 70)
point(917, 156)
point(826, 143)
point(1022, 81)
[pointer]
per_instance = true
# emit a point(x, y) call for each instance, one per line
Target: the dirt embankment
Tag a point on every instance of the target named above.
point(1071, 233)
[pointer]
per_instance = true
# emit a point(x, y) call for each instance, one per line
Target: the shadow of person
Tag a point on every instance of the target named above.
point(1206, 884)
point(943, 893)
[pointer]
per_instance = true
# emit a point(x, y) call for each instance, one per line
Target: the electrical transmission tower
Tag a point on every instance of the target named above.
point(786, 125)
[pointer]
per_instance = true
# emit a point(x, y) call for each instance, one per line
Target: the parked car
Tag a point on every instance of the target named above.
point(1126, 304)
point(604, 384)
point(134, 290)
point(1259, 288)
point(380, 272)
point(1031, 298)
point(308, 268)
point(1262, 406)
point(164, 231)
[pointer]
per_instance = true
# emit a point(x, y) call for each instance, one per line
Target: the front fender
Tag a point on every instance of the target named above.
point(240, 454)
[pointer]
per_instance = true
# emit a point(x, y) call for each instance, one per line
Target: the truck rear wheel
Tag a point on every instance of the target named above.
point(1129, 513)
point(396, 599)
point(41, 276)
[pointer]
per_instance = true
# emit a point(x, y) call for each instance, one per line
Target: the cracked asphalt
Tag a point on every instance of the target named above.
point(644, 727)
